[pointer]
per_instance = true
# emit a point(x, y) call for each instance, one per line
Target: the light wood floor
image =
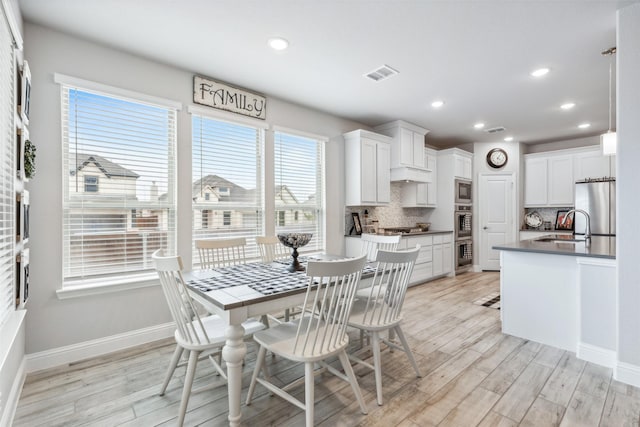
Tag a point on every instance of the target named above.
point(472, 375)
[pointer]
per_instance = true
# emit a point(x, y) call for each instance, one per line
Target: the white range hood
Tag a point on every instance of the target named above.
point(408, 174)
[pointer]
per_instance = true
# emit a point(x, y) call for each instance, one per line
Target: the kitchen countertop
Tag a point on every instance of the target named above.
point(420, 233)
point(601, 247)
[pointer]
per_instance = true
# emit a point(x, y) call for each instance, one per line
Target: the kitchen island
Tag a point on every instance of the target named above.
point(561, 292)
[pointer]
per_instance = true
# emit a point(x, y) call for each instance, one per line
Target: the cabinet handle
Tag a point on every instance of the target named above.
point(485, 228)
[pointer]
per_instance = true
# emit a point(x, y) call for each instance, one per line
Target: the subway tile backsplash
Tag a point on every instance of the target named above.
point(393, 215)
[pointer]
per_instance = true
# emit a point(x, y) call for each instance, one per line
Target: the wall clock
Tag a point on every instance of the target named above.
point(497, 158)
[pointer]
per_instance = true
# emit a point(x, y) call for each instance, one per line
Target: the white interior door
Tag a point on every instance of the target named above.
point(497, 208)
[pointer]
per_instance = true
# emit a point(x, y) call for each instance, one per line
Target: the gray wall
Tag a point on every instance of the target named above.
point(54, 323)
point(628, 156)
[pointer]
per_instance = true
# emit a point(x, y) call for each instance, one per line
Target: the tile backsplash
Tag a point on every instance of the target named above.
point(392, 215)
point(548, 215)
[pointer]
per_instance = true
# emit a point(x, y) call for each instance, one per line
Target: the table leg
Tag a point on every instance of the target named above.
point(233, 354)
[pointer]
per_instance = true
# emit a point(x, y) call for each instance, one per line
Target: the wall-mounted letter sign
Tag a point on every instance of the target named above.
point(224, 97)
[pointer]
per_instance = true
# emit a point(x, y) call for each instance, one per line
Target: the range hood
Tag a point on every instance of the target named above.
point(408, 174)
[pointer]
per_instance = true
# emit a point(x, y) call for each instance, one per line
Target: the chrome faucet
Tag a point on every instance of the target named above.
point(587, 231)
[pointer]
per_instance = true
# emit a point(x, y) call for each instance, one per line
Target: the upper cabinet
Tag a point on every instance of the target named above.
point(549, 178)
point(462, 166)
point(367, 164)
point(407, 146)
point(422, 194)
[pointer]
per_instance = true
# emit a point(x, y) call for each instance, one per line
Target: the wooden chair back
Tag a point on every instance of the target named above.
point(327, 305)
point(271, 249)
point(216, 253)
point(386, 295)
point(372, 243)
point(181, 305)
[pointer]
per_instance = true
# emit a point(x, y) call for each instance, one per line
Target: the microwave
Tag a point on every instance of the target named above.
point(463, 191)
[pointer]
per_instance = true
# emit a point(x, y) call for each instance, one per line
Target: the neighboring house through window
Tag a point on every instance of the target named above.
point(226, 160)
point(299, 185)
point(118, 163)
point(90, 184)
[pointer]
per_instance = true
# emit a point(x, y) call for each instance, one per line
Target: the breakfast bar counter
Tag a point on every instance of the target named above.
point(561, 293)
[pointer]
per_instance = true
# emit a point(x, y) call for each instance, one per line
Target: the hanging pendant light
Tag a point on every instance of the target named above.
point(609, 140)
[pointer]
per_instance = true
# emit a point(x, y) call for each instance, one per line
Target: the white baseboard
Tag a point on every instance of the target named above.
point(76, 352)
point(598, 355)
point(6, 418)
point(627, 373)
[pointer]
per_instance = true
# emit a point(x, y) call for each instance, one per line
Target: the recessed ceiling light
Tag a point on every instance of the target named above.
point(568, 106)
point(437, 104)
point(508, 138)
point(584, 125)
point(278, 43)
point(479, 125)
point(540, 72)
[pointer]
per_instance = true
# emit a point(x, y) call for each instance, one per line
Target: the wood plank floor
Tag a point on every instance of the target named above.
point(473, 375)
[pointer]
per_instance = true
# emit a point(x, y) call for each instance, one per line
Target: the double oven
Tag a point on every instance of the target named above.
point(463, 225)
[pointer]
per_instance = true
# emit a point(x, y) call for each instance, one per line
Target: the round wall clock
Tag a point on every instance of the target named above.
point(497, 158)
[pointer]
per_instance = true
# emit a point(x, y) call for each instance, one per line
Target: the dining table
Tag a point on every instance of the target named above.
point(239, 292)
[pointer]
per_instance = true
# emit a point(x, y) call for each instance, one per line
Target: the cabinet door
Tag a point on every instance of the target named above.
point(591, 165)
point(535, 182)
point(383, 169)
point(432, 199)
point(462, 167)
point(447, 258)
point(406, 147)
point(438, 268)
point(418, 150)
point(561, 181)
point(368, 165)
point(430, 161)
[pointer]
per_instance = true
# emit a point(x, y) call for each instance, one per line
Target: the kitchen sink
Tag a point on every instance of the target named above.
point(559, 240)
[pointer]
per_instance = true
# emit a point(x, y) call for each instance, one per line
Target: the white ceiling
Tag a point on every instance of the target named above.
point(474, 55)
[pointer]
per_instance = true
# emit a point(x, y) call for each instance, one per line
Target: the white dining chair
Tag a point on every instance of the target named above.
point(320, 333)
point(372, 243)
point(271, 249)
point(381, 310)
point(215, 253)
point(200, 337)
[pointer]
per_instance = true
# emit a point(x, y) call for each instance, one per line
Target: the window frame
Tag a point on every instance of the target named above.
point(116, 281)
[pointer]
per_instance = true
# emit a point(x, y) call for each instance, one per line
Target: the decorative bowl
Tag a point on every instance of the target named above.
point(295, 241)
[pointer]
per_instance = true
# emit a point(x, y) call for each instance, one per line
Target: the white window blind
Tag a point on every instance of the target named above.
point(227, 181)
point(7, 171)
point(299, 191)
point(119, 167)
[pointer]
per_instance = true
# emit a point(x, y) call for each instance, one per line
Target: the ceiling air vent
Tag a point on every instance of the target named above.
point(496, 129)
point(381, 73)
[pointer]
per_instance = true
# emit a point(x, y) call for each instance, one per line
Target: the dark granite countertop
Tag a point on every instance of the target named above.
point(601, 246)
point(421, 233)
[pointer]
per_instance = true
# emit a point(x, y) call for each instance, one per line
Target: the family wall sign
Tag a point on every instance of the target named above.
point(224, 97)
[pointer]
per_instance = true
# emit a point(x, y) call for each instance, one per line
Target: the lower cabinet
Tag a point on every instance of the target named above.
point(434, 259)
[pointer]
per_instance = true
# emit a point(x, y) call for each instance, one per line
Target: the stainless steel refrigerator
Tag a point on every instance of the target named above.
point(598, 199)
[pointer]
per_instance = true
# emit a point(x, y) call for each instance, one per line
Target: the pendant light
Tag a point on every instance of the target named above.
point(609, 140)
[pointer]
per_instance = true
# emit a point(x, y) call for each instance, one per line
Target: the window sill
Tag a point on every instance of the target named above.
point(77, 289)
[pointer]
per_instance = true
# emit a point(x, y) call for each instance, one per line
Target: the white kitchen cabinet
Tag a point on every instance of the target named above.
point(535, 181)
point(367, 170)
point(447, 257)
point(407, 146)
point(431, 161)
point(463, 166)
point(548, 180)
point(561, 181)
point(591, 164)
